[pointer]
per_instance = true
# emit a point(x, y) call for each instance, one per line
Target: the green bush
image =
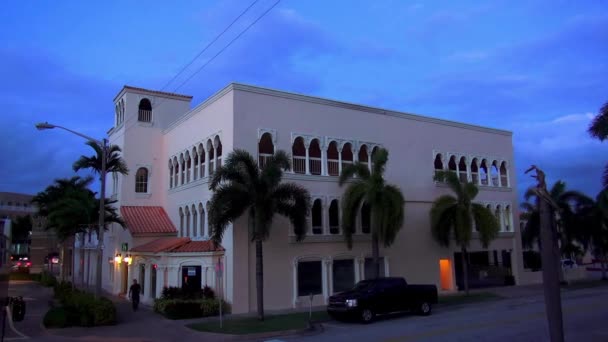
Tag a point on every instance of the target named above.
point(189, 308)
point(56, 318)
point(104, 312)
point(63, 290)
point(47, 279)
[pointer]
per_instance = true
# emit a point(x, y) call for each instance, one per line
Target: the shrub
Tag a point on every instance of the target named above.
point(187, 293)
point(208, 292)
point(56, 318)
point(189, 308)
point(104, 312)
point(62, 290)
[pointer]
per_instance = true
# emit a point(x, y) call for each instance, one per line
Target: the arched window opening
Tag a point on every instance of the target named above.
point(176, 170)
point(195, 164)
point(314, 157)
point(122, 111)
point(187, 212)
point(438, 163)
point(218, 152)
point(298, 152)
point(201, 152)
point(462, 170)
point(194, 222)
point(145, 111)
point(508, 224)
point(117, 114)
point(334, 217)
point(188, 167)
point(474, 171)
point(498, 214)
point(181, 222)
point(494, 173)
point(209, 230)
point(210, 155)
point(317, 217)
point(374, 152)
point(347, 155)
point(333, 159)
point(201, 228)
point(452, 164)
point(504, 179)
point(170, 174)
point(141, 180)
point(182, 167)
point(265, 149)
point(363, 156)
point(366, 218)
point(483, 173)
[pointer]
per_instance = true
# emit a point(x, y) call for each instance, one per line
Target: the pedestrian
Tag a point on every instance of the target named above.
point(134, 291)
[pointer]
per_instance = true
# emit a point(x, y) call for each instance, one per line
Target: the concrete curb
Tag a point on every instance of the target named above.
point(314, 329)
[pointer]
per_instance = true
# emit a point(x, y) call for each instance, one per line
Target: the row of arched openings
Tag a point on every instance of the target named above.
point(193, 222)
point(198, 162)
point(478, 171)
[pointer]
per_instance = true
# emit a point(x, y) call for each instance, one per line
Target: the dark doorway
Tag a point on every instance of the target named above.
point(483, 270)
point(191, 277)
point(124, 272)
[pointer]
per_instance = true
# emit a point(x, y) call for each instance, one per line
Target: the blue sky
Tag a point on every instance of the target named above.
point(537, 68)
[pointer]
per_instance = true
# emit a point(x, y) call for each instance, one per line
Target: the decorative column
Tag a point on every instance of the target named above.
point(160, 280)
point(357, 270)
point(360, 267)
point(295, 283)
point(323, 160)
point(330, 273)
point(324, 266)
point(325, 216)
point(307, 166)
point(340, 160)
point(369, 158)
point(386, 268)
point(499, 177)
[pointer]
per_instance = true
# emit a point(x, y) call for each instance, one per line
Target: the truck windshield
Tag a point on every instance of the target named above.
point(364, 285)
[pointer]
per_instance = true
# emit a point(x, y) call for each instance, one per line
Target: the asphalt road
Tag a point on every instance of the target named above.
point(521, 319)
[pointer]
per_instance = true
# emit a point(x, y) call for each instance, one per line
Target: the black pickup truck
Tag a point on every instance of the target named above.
point(382, 296)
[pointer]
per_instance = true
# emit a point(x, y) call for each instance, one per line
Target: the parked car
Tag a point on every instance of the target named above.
point(568, 263)
point(382, 296)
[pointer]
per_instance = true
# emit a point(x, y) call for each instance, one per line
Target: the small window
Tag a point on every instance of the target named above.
point(334, 217)
point(141, 180)
point(145, 111)
point(309, 278)
point(317, 217)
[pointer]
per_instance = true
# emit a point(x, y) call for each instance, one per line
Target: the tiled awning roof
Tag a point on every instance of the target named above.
point(177, 245)
point(147, 220)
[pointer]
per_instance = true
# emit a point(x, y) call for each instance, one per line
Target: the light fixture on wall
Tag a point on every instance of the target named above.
point(118, 258)
point(128, 259)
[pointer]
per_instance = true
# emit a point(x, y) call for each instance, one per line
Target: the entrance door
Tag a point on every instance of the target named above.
point(191, 277)
point(445, 274)
point(124, 271)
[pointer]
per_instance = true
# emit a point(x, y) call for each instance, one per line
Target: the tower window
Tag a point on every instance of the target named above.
point(141, 180)
point(145, 111)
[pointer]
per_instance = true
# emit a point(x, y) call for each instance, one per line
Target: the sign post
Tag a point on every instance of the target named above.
point(219, 272)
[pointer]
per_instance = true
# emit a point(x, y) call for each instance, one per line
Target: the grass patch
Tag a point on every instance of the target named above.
point(579, 285)
point(251, 325)
point(459, 299)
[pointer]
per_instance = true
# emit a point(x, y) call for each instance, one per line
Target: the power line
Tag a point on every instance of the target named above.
point(209, 44)
point(228, 45)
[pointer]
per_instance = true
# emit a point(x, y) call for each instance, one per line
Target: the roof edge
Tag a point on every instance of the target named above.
point(139, 90)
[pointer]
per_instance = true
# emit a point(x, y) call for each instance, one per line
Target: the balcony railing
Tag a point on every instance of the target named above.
point(317, 230)
point(495, 180)
point(299, 164)
point(474, 177)
point(463, 176)
point(144, 115)
point(503, 180)
point(314, 166)
point(333, 167)
point(263, 159)
point(334, 230)
point(345, 163)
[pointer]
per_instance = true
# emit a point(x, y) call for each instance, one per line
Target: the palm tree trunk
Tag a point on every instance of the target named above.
point(259, 277)
point(375, 256)
point(465, 270)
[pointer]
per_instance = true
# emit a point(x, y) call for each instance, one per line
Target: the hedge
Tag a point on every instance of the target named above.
point(79, 308)
point(189, 308)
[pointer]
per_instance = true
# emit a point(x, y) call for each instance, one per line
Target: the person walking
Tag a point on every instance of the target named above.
point(134, 291)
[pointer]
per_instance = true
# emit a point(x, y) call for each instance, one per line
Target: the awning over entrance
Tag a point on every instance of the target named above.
point(177, 245)
point(143, 220)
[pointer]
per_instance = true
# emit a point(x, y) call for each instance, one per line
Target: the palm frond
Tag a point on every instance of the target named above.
point(379, 160)
point(392, 213)
point(293, 202)
point(357, 169)
point(239, 167)
point(274, 168)
point(442, 216)
point(599, 125)
point(229, 202)
point(486, 222)
point(452, 180)
point(351, 202)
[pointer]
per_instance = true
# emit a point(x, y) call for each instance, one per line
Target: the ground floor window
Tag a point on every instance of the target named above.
point(343, 275)
point(309, 278)
point(369, 268)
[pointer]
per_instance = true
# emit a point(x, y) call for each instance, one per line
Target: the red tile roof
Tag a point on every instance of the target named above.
point(177, 245)
point(161, 245)
point(198, 246)
point(147, 220)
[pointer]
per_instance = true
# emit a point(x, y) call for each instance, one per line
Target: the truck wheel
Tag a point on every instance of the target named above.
point(424, 308)
point(367, 315)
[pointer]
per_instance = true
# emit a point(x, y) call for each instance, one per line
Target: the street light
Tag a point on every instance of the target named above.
point(103, 144)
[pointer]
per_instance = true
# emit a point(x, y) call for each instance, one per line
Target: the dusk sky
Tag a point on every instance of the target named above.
point(536, 68)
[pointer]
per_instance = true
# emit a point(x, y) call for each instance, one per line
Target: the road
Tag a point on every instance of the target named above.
point(518, 319)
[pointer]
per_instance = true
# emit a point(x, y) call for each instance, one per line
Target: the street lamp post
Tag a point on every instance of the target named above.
point(104, 155)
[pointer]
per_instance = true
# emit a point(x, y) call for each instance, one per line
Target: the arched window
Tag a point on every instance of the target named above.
point(194, 222)
point(366, 218)
point(218, 152)
point(333, 159)
point(462, 169)
point(176, 170)
point(452, 164)
point(181, 222)
point(484, 173)
point(195, 164)
point(347, 155)
point(210, 154)
point(122, 111)
point(498, 214)
point(314, 157)
point(438, 163)
point(117, 114)
point(141, 180)
point(182, 167)
point(201, 212)
point(334, 217)
point(508, 224)
point(145, 111)
point(374, 151)
point(265, 149)
point(188, 166)
point(317, 217)
point(187, 212)
point(170, 174)
point(363, 156)
point(474, 171)
point(201, 152)
point(298, 152)
point(209, 229)
point(494, 173)
point(504, 178)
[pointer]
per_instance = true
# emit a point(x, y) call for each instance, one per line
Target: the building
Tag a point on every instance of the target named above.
point(171, 150)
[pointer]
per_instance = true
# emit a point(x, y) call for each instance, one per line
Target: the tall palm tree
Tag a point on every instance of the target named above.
point(385, 201)
point(454, 216)
point(593, 219)
point(599, 129)
point(241, 187)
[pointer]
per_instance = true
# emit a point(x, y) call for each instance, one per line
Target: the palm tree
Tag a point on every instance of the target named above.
point(385, 201)
point(593, 219)
point(454, 216)
point(241, 187)
point(599, 129)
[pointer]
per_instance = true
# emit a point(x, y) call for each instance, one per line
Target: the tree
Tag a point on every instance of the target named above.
point(599, 129)
point(241, 187)
point(21, 228)
point(593, 218)
point(385, 201)
point(454, 216)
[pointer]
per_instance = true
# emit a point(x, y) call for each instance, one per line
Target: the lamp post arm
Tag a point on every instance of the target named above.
point(98, 142)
